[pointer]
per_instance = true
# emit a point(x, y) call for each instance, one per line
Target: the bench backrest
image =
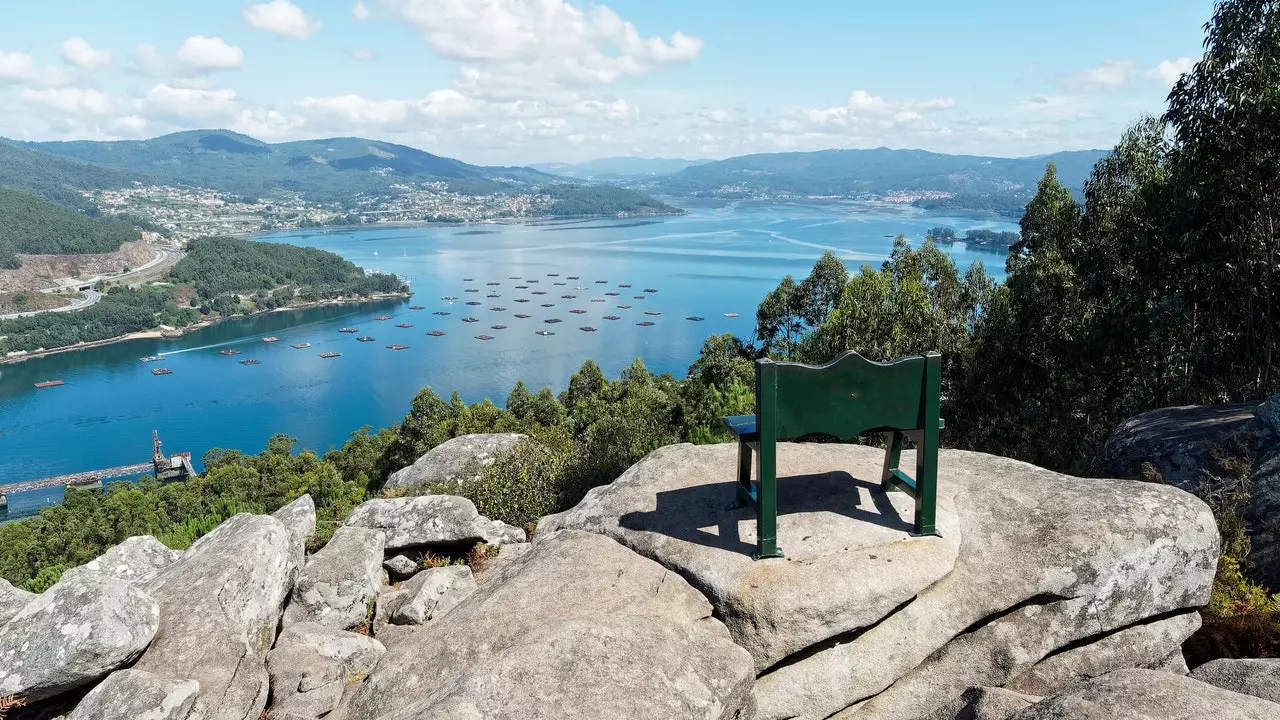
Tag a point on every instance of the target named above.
point(846, 396)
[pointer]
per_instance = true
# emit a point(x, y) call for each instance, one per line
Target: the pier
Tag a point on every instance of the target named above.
point(164, 468)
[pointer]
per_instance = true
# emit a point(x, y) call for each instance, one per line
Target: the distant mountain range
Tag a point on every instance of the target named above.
point(618, 168)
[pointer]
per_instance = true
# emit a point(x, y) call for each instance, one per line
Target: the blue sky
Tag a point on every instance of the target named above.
point(523, 81)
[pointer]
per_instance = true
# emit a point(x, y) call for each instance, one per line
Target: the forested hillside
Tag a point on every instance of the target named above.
point(55, 178)
point(30, 224)
point(604, 200)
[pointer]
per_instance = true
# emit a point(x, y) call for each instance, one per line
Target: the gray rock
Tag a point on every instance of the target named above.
point(431, 520)
point(1262, 516)
point(1148, 695)
point(1257, 677)
point(992, 703)
point(1140, 646)
point(454, 462)
point(506, 553)
point(136, 560)
point(1266, 418)
point(78, 631)
point(1174, 440)
point(1174, 662)
point(432, 593)
point(312, 665)
point(300, 517)
point(850, 556)
point(578, 627)
point(220, 607)
point(137, 695)
point(401, 567)
point(12, 600)
point(338, 582)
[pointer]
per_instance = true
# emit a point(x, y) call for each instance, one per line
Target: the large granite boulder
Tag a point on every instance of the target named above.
point(137, 695)
point(1045, 563)
point(136, 560)
point(339, 582)
point(987, 703)
point(78, 631)
point(311, 665)
point(300, 517)
point(1148, 695)
point(431, 520)
point(578, 627)
point(1257, 677)
point(220, 605)
point(12, 600)
point(432, 593)
point(454, 462)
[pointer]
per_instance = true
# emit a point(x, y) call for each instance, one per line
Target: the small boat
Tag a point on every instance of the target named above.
point(50, 383)
point(522, 316)
point(538, 292)
point(383, 317)
point(578, 312)
point(602, 282)
point(731, 315)
point(473, 303)
point(250, 362)
point(484, 337)
point(553, 274)
point(327, 355)
point(522, 287)
point(271, 339)
point(624, 285)
point(532, 282)
point(624, 307)
point(404, 325)
point(645, 323)
point(162, 371)
point(347, 330)
point(572, 277)
point(587, 328)
point(597, 299)
point(513, 277)
point(397, 347)
point(694, 318)
point(493, 295)
point(497, 327)
point(300, 346)
point(568, 297)
point(651, 290)
point(416, 307)
point(638, 297)
point(611, 294)
point(436, 333)
point(470, 319)
point(229, 353)
point(559, 283)
point(493, 283)
point(652, 312)
point(467, 279)
point(545, 333)
point(449, 298)
point(579, 287)
point(375, 253)
point(366, 338)
point(150, 358)
point(472, 290)
point(498, 309)
point(522, 299)
point(548, 304)
point(612, 317)
point(551, 321)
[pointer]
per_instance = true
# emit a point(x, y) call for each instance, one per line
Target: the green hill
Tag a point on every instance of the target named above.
point(31, 224)
point(55, 178)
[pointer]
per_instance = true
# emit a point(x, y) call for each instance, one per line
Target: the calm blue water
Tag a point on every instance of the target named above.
point(714, 261)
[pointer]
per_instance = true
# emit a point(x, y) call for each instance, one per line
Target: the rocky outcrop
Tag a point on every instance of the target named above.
point(1146, 695)
point(220, 605)
point(454, 462)
point(299, 517)
point(136, 560)
point(76, 632)
point(137, 695)
point(1045, 563)
point(401, 567)
point(578, 627)
point(1259, 678)
point(431, 521)
point(12, 600)
point(339, 582)
point(432, 593)
point(987, 703)
point(312, 665)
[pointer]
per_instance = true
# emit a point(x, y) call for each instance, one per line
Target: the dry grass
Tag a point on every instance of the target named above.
point(9, 702)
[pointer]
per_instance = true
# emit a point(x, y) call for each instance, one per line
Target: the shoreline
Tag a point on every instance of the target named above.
point(437, 224)
point(156, 333)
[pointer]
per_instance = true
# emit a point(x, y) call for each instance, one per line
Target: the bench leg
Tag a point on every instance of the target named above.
point(744, 475)
point(927, 482)
point(767, 503)
point(892, 456)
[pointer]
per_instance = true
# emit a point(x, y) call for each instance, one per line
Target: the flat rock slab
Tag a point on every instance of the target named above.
point(1257, 677)
point(850, 557)
point(1148, 695)
point(136, 560)
point(76, 632)
point(455, 461)
point(432, 593)
point(431, 520)
point(339, 582)
point(577, 627)
point(311, 666)
point(137, 695)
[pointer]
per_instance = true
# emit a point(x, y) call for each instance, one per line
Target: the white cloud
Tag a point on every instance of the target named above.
point(200, 54)
point(864, 113)
point(281, 17)
point(77, 51)
point(72, 101)
point(19, 68)
point(359, 11)
point(361, 54)
point(184, 103)
point(1108, 76)
point(147, 60)
point(1169, 71)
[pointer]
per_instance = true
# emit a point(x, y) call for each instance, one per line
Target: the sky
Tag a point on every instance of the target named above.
point(525, 81)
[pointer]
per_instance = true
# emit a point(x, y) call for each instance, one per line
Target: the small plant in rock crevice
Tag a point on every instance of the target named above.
point(9, 702)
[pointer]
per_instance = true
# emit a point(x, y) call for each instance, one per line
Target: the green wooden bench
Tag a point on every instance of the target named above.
point(846, 397)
